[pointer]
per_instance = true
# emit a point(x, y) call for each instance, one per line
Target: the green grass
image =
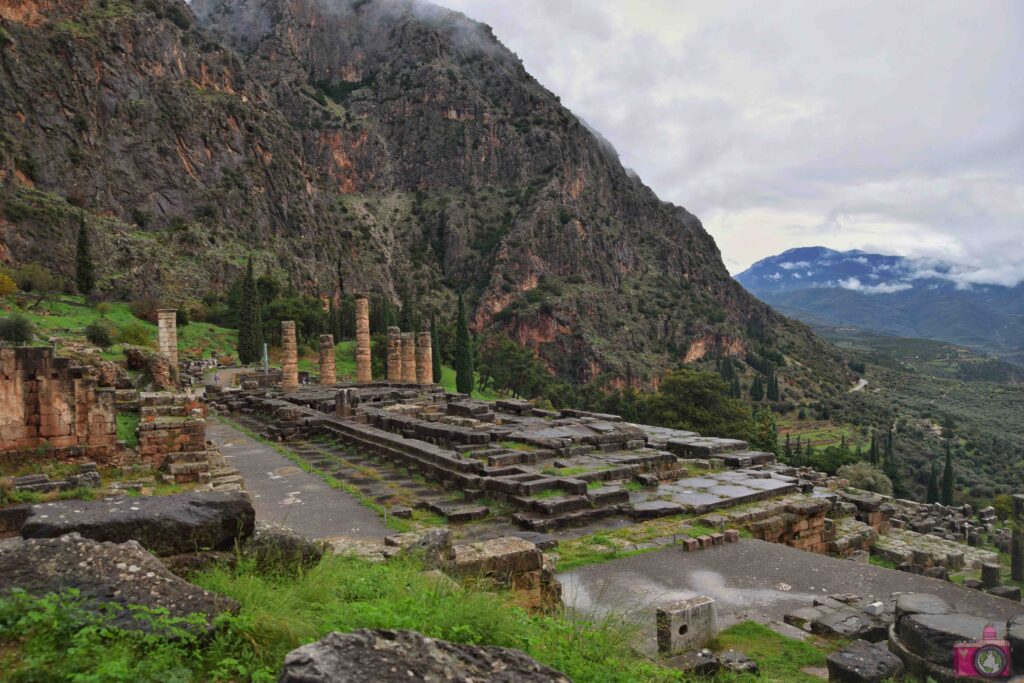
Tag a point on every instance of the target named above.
point(880, 561)
point(517, 446)
point(779, 658)
point(448, 382)
point(127, 423)
point(53, 639)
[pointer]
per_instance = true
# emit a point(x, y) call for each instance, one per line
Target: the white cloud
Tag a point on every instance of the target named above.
point(855, 285)
point(775, 276)
point(793, 265)
point(889, 127)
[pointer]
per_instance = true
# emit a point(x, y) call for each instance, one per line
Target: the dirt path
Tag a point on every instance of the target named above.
point(861, 383)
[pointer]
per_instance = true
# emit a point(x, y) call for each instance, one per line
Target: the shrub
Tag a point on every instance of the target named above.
point(36, 278)
point(103, 308)
point(99, 333)
point(7, 285)
point(135, 334)
point(16, 329)
point(145, 309)
point(864, 475)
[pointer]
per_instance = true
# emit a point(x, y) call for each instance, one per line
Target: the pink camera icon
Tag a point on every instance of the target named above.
point(985, 658)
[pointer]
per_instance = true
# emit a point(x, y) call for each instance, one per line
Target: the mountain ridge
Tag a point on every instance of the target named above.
point(377, 147)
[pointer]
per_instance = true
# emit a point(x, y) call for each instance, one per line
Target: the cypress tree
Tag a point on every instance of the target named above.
point(947, 477)
point(787, 450)
point(435, 351)
point(85, 275)
point(734, 389)
point(773, 387)
point(250, 326)
point(873, 453)
point(933, 483)
point(757, 389)
point(463, 353)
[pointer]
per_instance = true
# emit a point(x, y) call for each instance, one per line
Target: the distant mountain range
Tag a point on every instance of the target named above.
point(892, 295)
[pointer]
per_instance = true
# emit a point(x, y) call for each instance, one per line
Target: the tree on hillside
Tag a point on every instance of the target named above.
point(873, 451)
point(463, 353)
point(773, 386)
point(757, 389)
point(85, 275)
point(787, 449)
point(865, 476)
point(698, 401)
point(932, 495)
point(947, 477)
point(250, 326)
point(435, 351)
point(766, 432)
point(735, 391)
point(891, 466)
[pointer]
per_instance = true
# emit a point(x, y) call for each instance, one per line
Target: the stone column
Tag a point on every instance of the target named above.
point(167, 338)
point(394, 355)
point(424, 361)
point(408, 358)
point(364, 373)
point(1017, 540)
point(289, 357)
point(328, 374)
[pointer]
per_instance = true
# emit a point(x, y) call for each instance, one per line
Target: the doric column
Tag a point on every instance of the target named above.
point(408, 358)
point(167, 338)
point(394, 355)
point(424, 361)
point(364, 373)
point(328, 374)
point(289, 357)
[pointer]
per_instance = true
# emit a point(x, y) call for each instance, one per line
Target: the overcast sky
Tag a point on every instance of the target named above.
point(895, 127)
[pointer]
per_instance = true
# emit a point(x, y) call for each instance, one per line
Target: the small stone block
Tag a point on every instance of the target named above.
point(732, 535)
point(704, 541)
point(686, 625)
point(689, 543)
point(874, 608)
point(717, 539)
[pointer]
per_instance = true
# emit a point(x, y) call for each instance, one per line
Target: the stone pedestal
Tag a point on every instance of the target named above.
point(990, 575)
point(686, 625)
point(394, 355)
point(328, 374)
point(1017, 540)
point(167, 338)
point(408, 358)
point(344, 402)
point(424, 361)
point(289, 357)
point(363, 363)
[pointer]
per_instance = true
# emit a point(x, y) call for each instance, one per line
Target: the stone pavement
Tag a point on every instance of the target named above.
point(284, 494)
point(751, 579)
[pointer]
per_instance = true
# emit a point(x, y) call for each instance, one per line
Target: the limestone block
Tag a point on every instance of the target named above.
point(686, 625)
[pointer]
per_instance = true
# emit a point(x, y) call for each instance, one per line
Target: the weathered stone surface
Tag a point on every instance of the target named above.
point(434, 547)
point(850, 624)
point(920, 603)
point(686, 624)
point(164, 525)
point(122, 573)
point(696, 662)
point(402, 656)
point(498, 557)
point(863, 662)
point(738, 662)
point(277, 546)
point(1008, 592)
point(932, 636)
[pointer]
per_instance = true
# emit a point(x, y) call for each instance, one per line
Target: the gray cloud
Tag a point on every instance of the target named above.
point(889, 127)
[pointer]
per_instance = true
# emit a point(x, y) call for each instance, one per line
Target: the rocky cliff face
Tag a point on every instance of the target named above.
point(377, 146)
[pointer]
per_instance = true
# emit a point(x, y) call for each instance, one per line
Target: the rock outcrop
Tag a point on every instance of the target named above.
point(121, 573)
point(400, 656)
point(164, 525)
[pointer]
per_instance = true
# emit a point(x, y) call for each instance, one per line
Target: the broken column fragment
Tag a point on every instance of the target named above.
point(408, 358)
point(167, 338)
point(394, 355)
point(289, 357)
point(363, 362)
point(424, 361)
point(328, 372)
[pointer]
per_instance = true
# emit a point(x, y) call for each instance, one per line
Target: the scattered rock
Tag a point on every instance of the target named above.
point(738, 662)
point(401, 512)
point(400, 656)
point(434, 547)
point(164, 525)
point(186, 564)
point(850, 623)
point(696, 662)
point(122, 573)
point(276, 546)
point(1008, 592)
point(863, 662)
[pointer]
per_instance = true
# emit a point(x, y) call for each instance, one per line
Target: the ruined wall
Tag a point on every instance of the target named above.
point(45, 402)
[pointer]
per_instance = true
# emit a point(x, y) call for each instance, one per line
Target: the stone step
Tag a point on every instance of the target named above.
point(179, 468)
point(559, 504)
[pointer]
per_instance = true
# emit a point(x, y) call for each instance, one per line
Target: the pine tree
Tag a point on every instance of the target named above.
point(947, 477)
point(250, 326)
point(757, 389)
point(773, 386)
point(873, 452)
point(787, 450)
point(435, 351)
point(933, 483)
point(842, 442)
point(891, 467)
point(85, 275)
point(463, 353)
point(735, 391)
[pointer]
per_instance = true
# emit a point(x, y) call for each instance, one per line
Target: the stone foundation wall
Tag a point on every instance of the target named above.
point(798, 522)
point(48, 403)
point(172, 435)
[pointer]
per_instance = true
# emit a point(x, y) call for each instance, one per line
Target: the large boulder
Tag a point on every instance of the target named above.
point(120, 573)
point(402, 656)
point(932, 636)
point(863, 662)
point(164, 525)
point(278, 547)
